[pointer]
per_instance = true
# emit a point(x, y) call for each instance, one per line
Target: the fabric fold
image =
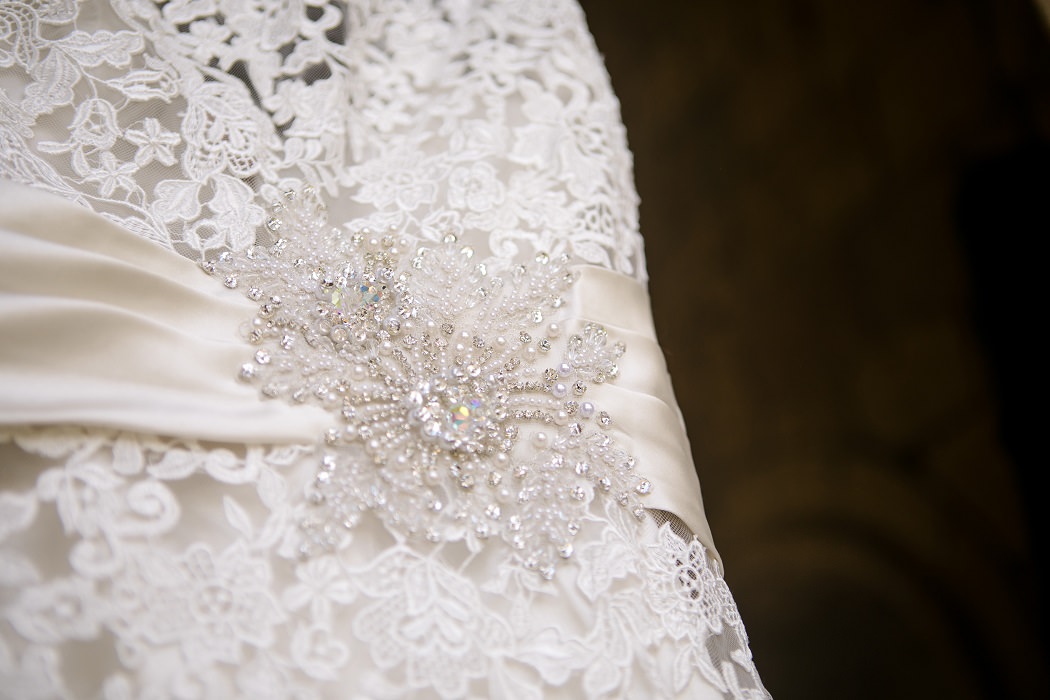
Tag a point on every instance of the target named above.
point(642, 398)
point(101, 328)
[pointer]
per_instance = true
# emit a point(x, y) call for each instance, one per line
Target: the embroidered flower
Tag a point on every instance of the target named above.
point(111, 174)
point(210, 605)
point(431, 621)
point(321, 583)
point(208, 38)
point(58, 611)
point(693, 600)
point(401, 177)
point(155, 143)
point(476, 187)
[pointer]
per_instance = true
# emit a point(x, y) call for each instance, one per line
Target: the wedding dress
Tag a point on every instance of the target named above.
point(326, 363)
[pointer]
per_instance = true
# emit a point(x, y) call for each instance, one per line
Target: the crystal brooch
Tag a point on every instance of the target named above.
point(460, 393)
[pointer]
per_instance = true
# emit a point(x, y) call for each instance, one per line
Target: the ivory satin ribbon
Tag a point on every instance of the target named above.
point(99, 327)
point(642, 400)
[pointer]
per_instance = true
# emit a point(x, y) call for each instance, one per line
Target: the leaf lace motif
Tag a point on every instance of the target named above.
point(170, 118)
point(136, 562)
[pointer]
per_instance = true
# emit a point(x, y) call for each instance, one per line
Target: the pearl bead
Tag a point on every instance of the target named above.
point(553, 330)
point(559, 390)
point(564, 369)
point(540, 439)
point(586, 409)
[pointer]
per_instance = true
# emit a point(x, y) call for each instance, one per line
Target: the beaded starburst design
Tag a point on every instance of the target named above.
point(461, 400)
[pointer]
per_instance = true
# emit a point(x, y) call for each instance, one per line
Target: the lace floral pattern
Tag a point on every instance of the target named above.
point(485, 118)
point(227, 607)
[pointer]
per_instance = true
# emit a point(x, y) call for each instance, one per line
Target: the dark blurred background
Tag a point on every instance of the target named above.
point(843, 204)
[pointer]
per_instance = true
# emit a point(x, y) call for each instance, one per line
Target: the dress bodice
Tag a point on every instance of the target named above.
point(328, 365)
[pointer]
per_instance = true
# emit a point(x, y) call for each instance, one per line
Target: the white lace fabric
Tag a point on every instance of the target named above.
point(494, 119)
point(144, 567)
point(136, 564)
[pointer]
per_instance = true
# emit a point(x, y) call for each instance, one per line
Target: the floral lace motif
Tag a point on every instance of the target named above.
point(169, 117)
point(109, 539)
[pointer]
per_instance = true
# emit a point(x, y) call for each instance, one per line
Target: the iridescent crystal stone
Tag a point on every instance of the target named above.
point(464, 416)
point(356, 295)
point(368, 294)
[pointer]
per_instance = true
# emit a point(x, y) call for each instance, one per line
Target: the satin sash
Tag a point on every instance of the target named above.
point(99, 327)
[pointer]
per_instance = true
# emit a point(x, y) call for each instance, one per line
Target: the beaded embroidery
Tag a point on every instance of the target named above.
point(454, 422)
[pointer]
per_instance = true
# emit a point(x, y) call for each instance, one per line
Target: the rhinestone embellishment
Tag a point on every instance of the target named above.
point(460, 412)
